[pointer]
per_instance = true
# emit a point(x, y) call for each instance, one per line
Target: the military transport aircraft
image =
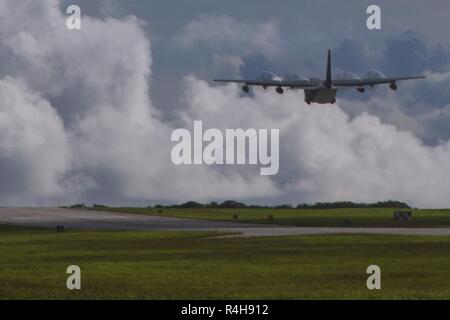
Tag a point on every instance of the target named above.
point(320, 91)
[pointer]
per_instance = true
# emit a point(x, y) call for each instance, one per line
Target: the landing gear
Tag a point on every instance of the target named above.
point(246, 89)
point(308, 102)
point(333, 102)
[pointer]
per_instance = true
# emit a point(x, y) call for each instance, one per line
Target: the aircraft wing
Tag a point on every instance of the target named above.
point(299, 84)
point(371, 82)
point(305, 84)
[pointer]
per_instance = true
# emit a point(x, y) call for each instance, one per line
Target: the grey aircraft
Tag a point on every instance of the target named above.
point(320, 91)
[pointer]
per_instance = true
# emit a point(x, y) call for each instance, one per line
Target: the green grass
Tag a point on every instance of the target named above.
point(191, 265)
point(305, 217)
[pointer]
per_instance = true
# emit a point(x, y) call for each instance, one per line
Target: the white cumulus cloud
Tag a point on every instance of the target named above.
point(325, 154)
point(77, 123)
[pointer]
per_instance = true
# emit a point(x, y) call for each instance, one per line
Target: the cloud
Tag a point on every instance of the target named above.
point(353, 54)
point(226, 65)
point(78, 122)
point(418, 106)
point(223, 32)
point(34, 148)
point(100, 137)
point(407, 53)
point(325, 154)
point(412, 52)
point(412, 108)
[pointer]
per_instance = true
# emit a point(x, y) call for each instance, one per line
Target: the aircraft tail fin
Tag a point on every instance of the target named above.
point(328, 81)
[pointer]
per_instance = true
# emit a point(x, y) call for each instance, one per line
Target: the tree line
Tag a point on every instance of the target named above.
point(231, 204)
point(319, 205)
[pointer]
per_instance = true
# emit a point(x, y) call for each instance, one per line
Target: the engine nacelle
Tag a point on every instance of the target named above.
point(279, 90)
point(246, 89)
point(393, 86)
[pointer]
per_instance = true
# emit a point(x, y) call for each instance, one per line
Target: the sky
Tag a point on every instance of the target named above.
point(86, 115)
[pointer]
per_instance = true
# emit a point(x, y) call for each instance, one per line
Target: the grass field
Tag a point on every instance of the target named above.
point(171, 265)
point(305, 217)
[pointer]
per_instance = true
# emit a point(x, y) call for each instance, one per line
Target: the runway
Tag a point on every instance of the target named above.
point(94, 220)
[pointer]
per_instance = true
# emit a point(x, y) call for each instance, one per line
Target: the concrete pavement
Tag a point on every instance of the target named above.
point(83, 219)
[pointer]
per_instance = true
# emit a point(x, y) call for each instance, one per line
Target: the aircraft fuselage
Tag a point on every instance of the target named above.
point(320, 95)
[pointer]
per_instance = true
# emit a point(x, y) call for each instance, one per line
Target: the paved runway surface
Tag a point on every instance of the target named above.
point(82, 219)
